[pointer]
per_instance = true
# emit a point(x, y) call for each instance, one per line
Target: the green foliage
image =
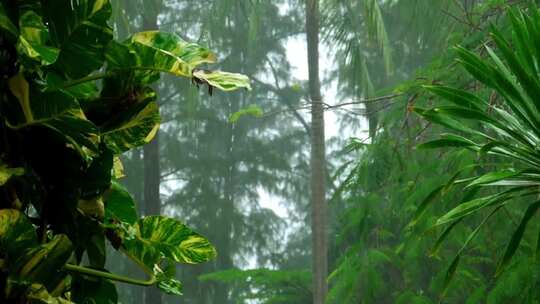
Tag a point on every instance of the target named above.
point(506, 126)
point(268, 286)
point(62, 133)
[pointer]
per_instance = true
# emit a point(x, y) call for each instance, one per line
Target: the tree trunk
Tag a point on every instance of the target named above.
point(318, 162)
point(152, 202)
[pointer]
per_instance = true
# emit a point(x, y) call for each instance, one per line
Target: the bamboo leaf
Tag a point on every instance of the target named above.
point(516, 237)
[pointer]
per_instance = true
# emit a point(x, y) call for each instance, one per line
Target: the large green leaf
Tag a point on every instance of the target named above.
point(135, 126)
point(159, 238)
point(119, 205)
point(150, 53)
point(80, 30)
point(33, 38)
point(64, 115)
point(16, 233)
point(169, 52)
point(42, 264)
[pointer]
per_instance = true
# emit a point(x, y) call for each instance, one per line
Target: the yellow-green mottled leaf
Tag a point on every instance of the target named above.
point(118, 168)
point(42, 264)
point(169, 46)
point(134, 127)
point(6, 173)
point(16, 233)
point(81, 31)
point(224, 81)
point(161, 238)
point(64, 115)
point(38, 294)
point(33, 38)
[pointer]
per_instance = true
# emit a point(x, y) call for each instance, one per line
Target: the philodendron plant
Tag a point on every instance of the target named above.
point(72, 100)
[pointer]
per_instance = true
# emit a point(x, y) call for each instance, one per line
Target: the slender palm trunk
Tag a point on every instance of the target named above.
point(318, 161)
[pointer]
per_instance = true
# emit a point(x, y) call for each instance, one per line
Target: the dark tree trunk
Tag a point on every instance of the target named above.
point(318, 161)
point(152, 202)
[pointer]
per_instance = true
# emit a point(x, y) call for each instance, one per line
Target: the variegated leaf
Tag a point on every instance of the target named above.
point(169, 52)
point(33, 38)
point(6, 173)
point(38, 294)
point(43, 264)
point(133, 127)
point(16, 232)
point(80, 30)
point(223, 80)
point(160, 238)
point(63, 116)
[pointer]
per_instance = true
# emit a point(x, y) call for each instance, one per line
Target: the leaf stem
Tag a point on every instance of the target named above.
point(88, 78)
point(107, 275)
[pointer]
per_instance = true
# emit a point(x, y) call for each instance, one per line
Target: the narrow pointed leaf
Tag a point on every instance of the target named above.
point(516, 237)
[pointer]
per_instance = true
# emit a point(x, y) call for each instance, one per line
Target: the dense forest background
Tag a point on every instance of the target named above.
point(243, 180)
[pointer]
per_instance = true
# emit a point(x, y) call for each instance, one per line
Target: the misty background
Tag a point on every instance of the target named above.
point(244, 183)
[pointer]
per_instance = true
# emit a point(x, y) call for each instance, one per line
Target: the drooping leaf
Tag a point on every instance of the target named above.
point(516, 237)
point(377, 30)
point(153, 52)
point(455, 262)
point(149, 53)
point(223, 80)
